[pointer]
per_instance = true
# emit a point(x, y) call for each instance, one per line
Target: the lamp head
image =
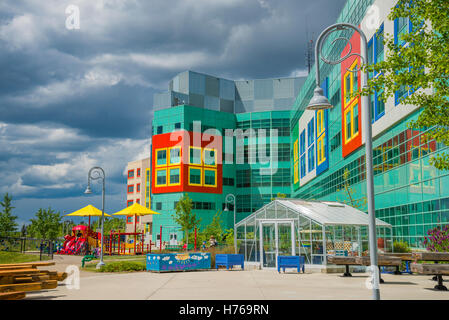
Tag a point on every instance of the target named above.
point(319, 101)
point(226, 208)
point(88, 190)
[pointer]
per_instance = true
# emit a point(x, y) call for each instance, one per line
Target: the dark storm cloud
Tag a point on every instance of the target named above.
point(71, 99)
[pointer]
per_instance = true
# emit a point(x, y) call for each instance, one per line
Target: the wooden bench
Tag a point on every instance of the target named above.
point(343, 260)
point(436, 269)
point(382, 261)
point(405, 256)
point(433, 269)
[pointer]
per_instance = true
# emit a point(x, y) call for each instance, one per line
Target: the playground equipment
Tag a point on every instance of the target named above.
point(115, 244)
point(79, 241)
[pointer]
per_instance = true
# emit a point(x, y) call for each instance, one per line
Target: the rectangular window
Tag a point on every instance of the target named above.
point(303, 142)
point(295, 151)
point(130, 174)
point(138, 172)
point(321, 156)
point(210, 177)
point(129, 203)
point(174, 176)
point(195, 155)
point(161, 157)
point(295, 173)
point(303, 166)
point(138, 187)
point(310, 132)
point(311, 158)
point(158, 205)
point(320, 123)
point(175, 155)
point(355, 117)
point(195, 176)
point(159, 129)
point(138, 201)
point(131, 188)
point(347, 87)
point(161, 177)
point(210, 157)
point(348, 124)
point(178, 125)
point(355, 80)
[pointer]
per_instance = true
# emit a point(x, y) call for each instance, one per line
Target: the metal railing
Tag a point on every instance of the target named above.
point(44, 248)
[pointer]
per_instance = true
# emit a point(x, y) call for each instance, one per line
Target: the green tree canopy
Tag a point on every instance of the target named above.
point(419, 66)
point(47, 224)
point(7, 220)
point(184, 216)
point(110, 224)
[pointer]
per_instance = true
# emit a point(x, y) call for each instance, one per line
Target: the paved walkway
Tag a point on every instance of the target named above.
point(236, 285)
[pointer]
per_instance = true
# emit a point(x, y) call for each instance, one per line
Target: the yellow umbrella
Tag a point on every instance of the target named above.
point(135, 210)
point(87, 211)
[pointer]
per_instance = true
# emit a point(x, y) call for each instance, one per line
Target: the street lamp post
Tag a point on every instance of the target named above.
point(96, 173)
point(320, 102)
point(230, 197)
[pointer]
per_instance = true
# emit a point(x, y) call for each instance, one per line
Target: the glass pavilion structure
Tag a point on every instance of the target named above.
point(312, 229)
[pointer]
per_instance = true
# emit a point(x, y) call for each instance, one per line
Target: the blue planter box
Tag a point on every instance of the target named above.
point(291, 262)
point(229, 260)
point(178, 261)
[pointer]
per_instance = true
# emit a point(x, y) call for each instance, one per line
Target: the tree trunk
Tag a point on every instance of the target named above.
point(187, 240)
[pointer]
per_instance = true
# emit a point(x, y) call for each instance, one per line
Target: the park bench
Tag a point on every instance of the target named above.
point(382, 261)
point(345, 261)
point(407, 257)
point(17, 279)
point(436, 269)
point(229, 260)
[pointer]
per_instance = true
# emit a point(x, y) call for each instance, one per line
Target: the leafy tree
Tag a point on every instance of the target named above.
point(420, 66)
point(7, 220)
point(279, 195)
point(346, 186)
point(184, 216)
point(47, 224)
point(110, 224)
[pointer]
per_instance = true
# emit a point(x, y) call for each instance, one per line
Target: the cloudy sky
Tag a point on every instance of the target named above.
point(74, 98)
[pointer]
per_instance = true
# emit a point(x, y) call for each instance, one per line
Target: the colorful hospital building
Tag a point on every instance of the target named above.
point(312, 149)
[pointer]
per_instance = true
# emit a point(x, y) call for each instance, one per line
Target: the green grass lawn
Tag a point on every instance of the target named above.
point(17, 257)
point(117, 266)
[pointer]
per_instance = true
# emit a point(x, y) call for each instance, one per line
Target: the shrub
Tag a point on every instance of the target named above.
point(123, 266)
point(438, 239)
point(401, 247)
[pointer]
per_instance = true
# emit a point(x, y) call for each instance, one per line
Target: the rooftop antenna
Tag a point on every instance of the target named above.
point(309, 48)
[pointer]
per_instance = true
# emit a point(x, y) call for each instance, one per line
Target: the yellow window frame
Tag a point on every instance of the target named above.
point(155, 178)
point(350, 74)
point(166, 157)
point(169, 155)
point(320, 122)
point(201, 177)
point(296, 172)
point(350, 109)
point(147, 193)
point(295, 150)
point(321, 154)
point(201, 155)
point(169, 175)
point(204, 157)
point(204, 180)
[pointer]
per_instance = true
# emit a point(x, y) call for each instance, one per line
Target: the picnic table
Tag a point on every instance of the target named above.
point(436, 269)
point(343, 260)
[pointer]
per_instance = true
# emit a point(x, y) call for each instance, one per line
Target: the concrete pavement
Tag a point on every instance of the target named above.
point(237, 285)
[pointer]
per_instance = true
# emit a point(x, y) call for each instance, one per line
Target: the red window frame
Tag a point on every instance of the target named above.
point(129, 220)
point(129, 202)
point(138, 201)
point(130, 185)
point(130, 176)
point(138, 187)
point(138, 172)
